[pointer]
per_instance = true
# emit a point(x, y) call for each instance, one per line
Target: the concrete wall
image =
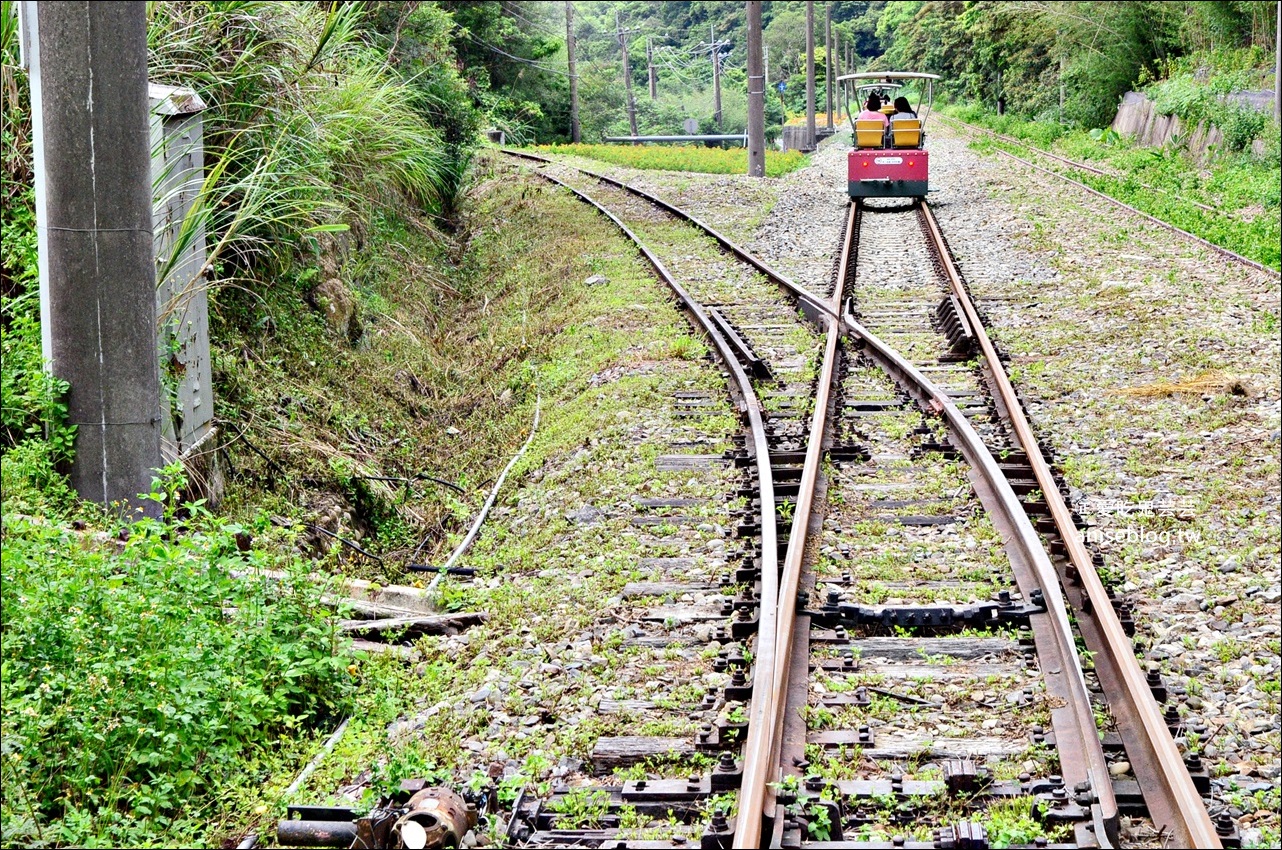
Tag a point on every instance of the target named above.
point(1138, 117)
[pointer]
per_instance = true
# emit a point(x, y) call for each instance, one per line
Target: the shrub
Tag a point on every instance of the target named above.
point(1241, 126)
point(139, 677)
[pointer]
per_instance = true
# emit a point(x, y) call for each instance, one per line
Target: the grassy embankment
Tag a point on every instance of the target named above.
point(681, 157)
point(1243, 187)
point(153, 696)
point(137, 712)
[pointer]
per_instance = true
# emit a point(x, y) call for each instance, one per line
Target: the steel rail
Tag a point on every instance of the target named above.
point(1232, 255)
point(790, 580)
point(1158, 739)
point(815, 305)
point(761, 710)
point(1062, 670)
point(1173, 801)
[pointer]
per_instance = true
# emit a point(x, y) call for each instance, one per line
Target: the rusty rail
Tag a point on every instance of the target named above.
point(1172, 799)
point(1168, 790)
point(790, 579)
point(762, 711)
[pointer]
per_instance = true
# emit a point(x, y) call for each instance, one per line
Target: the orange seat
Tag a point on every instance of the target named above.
point(906, 132)
point(869, 133)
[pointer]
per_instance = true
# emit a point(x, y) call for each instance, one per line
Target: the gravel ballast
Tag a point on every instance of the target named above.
point(1103, 315)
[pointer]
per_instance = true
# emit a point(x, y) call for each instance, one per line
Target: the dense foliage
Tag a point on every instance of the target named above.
point(142, 677)
point(1062, 61)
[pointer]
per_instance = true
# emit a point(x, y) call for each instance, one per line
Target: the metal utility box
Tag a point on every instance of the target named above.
point(182, 300)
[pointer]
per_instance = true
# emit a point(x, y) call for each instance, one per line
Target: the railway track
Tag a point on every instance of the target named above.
point(926, 685)
point(896, 648)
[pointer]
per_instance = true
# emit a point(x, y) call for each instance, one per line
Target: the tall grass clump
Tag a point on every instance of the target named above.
point(306, 127)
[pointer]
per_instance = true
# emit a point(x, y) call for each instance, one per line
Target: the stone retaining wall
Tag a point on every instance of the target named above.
point(1138, 116)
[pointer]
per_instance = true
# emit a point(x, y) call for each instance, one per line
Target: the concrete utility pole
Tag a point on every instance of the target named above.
point(716, 73)
point(649, 59)
point(627, 72)
point(810, 74)
point(88, 66)
point(828, 75)
point(1277, 70)
point(756, 94)
point(574, 78)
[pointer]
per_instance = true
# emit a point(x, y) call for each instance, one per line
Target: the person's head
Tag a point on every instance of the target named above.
point(902, 105)
point(874, 103)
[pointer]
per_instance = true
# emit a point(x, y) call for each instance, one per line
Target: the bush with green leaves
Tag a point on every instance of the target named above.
point(141, 675)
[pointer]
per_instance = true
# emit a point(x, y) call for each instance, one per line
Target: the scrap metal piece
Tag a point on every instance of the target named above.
point(434, 817)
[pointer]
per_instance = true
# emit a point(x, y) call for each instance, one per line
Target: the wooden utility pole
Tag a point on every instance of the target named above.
point(649, 59)
point(828, 75)
point(810, 74)
point(92, 164)
point(716, 73)
point(627, 72)
point(756, 94)
point(574, 78)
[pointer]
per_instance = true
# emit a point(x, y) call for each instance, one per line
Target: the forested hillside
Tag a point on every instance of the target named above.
point(1059, 61)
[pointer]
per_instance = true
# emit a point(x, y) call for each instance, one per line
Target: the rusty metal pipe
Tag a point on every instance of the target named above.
point(315, 833)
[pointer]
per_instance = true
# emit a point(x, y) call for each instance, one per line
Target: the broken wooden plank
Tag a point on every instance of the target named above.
point(662, 588)
point(442, 624)
point(404, 653)
point(958, 671)
point(624, 706)
point(627, 750)
point(415, 599)
point(681, 463)
point(901, 649)
point(893, 748)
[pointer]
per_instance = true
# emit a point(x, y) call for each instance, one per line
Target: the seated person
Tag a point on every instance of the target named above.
point(872, 111)
point(903, 109)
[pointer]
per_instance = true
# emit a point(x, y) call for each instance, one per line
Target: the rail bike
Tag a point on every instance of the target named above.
point(888, 158)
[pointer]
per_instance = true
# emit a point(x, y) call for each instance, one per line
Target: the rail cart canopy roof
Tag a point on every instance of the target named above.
point(887, 76)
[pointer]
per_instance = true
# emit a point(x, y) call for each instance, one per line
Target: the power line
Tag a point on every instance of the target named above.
point(531, 62)
point(538, 26)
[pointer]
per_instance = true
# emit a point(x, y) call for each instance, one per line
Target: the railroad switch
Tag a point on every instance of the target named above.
point(965, 835)
point(962, 776)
